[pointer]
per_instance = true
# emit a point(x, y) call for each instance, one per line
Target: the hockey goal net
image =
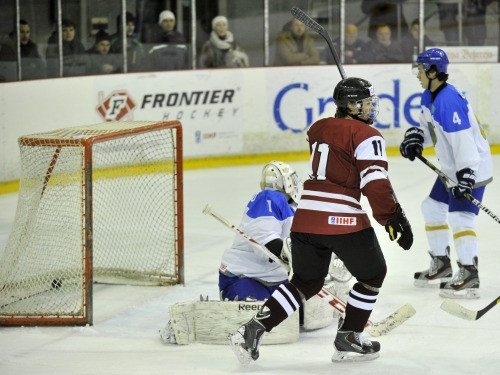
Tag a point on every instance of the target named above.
point(98, 203)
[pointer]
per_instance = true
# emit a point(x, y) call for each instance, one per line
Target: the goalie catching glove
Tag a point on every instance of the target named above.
point(286, 251)
point(400, 224)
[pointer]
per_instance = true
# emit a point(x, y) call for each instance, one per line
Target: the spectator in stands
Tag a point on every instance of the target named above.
point(448, 23)
point(410, 42)
point(385, 12)
point(221, 50)
point(294, 46)
point(75, 60)
point(354, 48)
point(384, 49)
point(165, 31)
point(32, 64)
point(101, 60)
point(475, 21)
point(135, 49)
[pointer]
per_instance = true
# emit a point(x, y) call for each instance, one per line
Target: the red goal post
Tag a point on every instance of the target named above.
point(97, 203)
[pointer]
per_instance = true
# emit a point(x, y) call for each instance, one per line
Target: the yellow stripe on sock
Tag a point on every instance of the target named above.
point(464, 233)
point(430, 228)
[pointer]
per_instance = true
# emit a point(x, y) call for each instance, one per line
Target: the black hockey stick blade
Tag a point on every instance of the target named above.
point(313, 25)
point(453, 308)
point(306, 20)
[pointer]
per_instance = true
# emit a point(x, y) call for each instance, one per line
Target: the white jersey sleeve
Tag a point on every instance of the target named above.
point(268, 216)
point(458, 139)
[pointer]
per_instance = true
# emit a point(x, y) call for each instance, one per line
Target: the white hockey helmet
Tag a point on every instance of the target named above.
point(281, 177)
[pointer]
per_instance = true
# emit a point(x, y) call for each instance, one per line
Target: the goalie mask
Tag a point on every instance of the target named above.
point(356, 97)
point(281, 177)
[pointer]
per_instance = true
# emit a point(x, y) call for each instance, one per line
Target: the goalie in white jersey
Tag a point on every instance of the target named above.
point(245, 273)
point(448, 123)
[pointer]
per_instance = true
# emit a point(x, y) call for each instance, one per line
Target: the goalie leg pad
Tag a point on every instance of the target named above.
point(210, 322)
point(317, 313)
point(337, 270)
point(182, 322)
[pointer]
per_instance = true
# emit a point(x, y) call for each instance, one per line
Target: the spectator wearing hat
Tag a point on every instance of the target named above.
point(135, 49)
point(221, 50)
point(170, 51)
point(101, 60)
point(165, 31)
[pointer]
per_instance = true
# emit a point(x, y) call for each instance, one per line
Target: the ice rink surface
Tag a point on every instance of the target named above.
point(124, 338)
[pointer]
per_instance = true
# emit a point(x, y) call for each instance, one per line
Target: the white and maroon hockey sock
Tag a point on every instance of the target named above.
point(360, 304)
point(283, 302)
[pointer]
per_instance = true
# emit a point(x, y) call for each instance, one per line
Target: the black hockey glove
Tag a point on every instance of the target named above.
point(466, 179)
point(413, 144)
point(399, 224)
point(281, 248)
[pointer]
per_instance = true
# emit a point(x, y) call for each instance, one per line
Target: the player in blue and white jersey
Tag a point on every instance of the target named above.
point(448, 123)
point(245, 273)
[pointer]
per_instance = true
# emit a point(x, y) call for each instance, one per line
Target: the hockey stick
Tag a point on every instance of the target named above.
point(453, 308)
point(474, 201)
point(377, 329)
point(313, 25)
point(207, 210)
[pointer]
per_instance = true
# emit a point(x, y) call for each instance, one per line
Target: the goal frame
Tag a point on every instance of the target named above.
point(87, 207)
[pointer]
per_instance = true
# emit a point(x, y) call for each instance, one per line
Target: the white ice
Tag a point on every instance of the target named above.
point(124, 338)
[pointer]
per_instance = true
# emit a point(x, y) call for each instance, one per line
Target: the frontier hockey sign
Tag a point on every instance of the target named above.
point(116, 106)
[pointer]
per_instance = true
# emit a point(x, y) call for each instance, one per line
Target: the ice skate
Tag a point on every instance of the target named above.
point(246, 341)
point(465, 283)
point(440, 270)
point(352, 346)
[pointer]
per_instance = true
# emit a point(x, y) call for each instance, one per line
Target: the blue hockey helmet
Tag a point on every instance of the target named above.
point(433, 56)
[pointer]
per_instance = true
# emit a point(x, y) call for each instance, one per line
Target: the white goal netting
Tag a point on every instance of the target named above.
point(98, 203)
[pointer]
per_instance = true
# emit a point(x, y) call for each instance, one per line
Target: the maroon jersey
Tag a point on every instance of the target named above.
point(347, 158)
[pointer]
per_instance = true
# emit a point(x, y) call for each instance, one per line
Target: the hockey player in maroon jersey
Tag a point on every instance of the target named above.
point(347, 159)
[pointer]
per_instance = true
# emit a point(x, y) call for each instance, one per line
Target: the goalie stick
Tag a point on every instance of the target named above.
point(453, 308)
point(375, 329)
point(474, 201)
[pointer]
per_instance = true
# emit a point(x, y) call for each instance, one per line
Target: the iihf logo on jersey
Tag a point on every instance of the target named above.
point(116, 106)
point(342, 220)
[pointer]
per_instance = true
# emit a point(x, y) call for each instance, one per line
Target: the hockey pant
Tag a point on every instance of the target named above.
point(311, 255)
